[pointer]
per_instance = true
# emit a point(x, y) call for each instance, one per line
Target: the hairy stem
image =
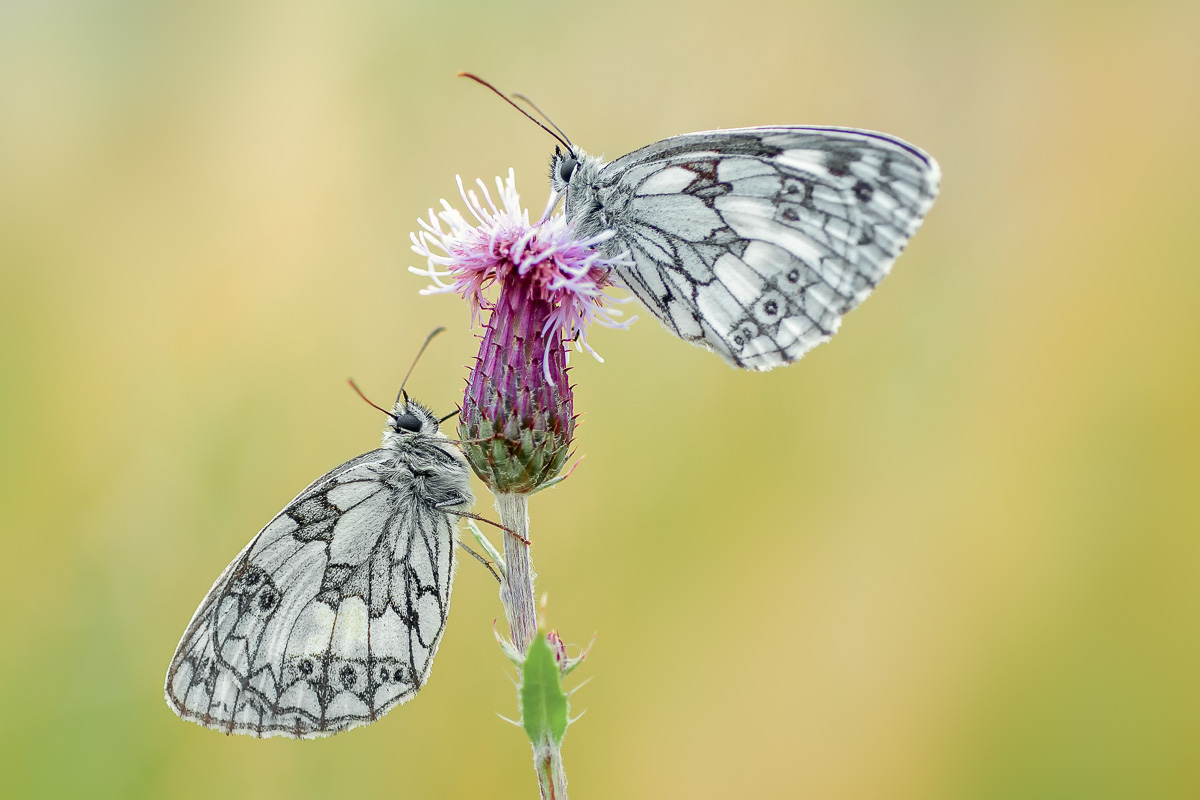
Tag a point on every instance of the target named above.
point(516, 591)
point(552, 780)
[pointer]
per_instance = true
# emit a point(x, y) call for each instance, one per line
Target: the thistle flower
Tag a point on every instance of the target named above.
point(517, 414)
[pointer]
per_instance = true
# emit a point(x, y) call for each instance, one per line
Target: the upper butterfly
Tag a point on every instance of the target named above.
point(332, 614)
point(753, 242)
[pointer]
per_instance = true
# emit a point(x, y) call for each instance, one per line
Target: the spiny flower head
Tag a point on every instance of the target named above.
point(518, 419)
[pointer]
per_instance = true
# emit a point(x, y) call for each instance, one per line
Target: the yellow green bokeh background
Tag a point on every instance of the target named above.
point(952, 554)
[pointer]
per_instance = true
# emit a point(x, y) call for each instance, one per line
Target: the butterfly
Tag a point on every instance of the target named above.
point(332, 614)
point(752, 242)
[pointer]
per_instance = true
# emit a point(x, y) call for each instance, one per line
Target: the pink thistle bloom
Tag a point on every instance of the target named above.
point(503, 245)
point(517, 419)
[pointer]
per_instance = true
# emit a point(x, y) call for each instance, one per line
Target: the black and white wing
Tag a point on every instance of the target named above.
point(754, 242)
point(329, 617)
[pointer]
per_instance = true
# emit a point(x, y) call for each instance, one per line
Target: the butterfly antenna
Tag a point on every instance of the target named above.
point(366, 400)
point(545, 116)
point(562, 139)
point(453, 413)
point(417, 358)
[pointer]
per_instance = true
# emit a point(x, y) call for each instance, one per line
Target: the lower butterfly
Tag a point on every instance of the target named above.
point(332, 614)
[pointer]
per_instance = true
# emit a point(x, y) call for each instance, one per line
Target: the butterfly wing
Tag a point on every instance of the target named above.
point(329, 617)
point(754, 242)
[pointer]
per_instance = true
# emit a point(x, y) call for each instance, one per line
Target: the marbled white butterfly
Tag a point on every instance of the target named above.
point(752, 242)
point(333, 613)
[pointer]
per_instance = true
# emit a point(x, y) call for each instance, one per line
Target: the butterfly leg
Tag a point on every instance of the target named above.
point(488, 564)
point(478, 518)
point(461, 442)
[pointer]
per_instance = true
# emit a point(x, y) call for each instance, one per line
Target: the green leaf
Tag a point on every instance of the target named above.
point(543, 701)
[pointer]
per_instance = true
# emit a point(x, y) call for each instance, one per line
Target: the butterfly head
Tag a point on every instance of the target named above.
point(563, 166)
point(410, 418)
point(572, 172)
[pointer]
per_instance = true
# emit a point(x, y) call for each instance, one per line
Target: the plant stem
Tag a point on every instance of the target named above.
point(516, 594)
point(552, 781)
point(516, 591)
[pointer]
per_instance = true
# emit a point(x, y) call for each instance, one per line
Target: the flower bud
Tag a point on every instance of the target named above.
point(517, 418)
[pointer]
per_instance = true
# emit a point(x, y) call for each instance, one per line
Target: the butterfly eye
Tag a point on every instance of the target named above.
point(566, 167)
point(407, 422)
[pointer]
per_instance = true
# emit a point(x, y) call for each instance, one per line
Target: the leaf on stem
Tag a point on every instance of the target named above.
point(544, 708)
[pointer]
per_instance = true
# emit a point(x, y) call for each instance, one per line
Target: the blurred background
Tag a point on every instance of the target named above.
point(952, 554)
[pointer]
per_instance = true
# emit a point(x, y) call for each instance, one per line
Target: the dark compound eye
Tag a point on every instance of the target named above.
point(407, 422)
point(566, 167)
